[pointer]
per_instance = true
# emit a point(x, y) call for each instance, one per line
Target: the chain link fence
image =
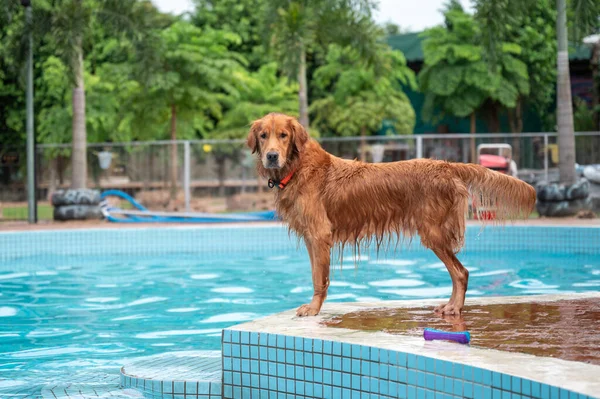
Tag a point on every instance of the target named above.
point(220, 176)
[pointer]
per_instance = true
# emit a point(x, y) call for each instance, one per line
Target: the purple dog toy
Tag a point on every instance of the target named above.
point(461, 337)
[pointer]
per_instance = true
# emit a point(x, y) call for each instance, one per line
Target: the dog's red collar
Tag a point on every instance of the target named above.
point(283, 182)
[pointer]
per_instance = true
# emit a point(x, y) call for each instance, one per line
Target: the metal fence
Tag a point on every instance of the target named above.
point(218, 176)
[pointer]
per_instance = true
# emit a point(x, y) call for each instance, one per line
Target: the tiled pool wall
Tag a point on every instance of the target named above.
point(271, 238)
point(262, 365)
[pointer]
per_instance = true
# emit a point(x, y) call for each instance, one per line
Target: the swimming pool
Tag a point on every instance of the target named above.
point(80, 303)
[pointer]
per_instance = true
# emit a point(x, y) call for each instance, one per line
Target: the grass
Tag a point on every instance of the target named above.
point(19, 212)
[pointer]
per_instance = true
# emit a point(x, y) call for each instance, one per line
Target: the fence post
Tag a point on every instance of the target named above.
point(186, 174)
point(546, 158)
point(419, 146)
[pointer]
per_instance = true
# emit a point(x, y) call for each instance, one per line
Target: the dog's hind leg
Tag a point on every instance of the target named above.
point(460, 281)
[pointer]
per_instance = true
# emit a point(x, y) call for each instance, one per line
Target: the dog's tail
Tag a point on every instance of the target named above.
point(509, 197)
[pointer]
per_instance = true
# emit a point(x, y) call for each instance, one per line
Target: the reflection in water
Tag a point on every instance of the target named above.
point(564, 329)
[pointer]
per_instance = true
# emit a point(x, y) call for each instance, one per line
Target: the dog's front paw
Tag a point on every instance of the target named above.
point(307, 310)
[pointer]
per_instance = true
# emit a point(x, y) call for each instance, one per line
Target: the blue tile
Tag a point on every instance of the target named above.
point(375, 354)
point(327, 347)
point(420, 378)
point(430, 365)
point(235, 336)
point(300, 387)
point(346, 379)
point(264, 381)
point(245, 392)
point(318, 375)
point(299, 373)
point(168, 387)
point(515, 384)
point(487, 377)
point(374, 384)
point(215, 388)
point(337, 363)
point(364, 383)
point(545, 389)
point(554, 393)
point(318, 345)
point(254, 366)
point(536, 390)
point(430, 381)
point(516, 396)
point(280, 370)
point(226, 350)
point(289, 371)
point(337, 378)
point(281, 386)
point(506, 395)
point(245, 337)
point(394, 373)
point(237, 379)
point(254, 352)
point(272, 340)
point(318, 360)
point(402, 375)
point(477, 391)
point(290, 354)
point(448, 385)
point(309, 389)
point(308, 359)
point(384, 356)
point(496, 393)
point(254, 338)
point(421, 363)
point(226, 335)
point(383, 387)
point(365, 352)
point(356, 351)
point(245, 351)
point(298, 343)
point(487, 392)
point(477, 375)
point(458, 388)
point(237, 364)
point(290, 386)
point(273, 383)
point(439, 382)
point(356, 366)
point(412, 377)
point(191, 387)
point(468, 373)
point(236, 350)
point(246, 380)
point(468, 390)
point(347, 350)
point(458, 371)
point(402, 358)
point(384, 371)
point(356, 382)
point(245, 365)
point(346, 364)
point(393, 389)
point(412, 361)
point(272, 354)
point(412, 392)
point(309, 374)
point(308, 345)
point(506, 382)
point(272, 368)
point(318, 390)
point(157, 385)
point(327, 392)
point(228, 392)
point(299, 358)
point(448, 369)
point(496, 380)
point(564, 394)
point(337, 348)
point(263, 339)
point(327, 377)
point(280, 341)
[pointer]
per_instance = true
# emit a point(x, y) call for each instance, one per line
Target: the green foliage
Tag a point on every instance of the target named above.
point(258, 93)
point(361, 96)
point(458, 79)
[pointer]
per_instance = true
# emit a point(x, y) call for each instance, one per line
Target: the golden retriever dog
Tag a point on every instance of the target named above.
point(332, 202)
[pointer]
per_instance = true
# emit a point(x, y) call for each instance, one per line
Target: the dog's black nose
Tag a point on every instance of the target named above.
point(272, 156)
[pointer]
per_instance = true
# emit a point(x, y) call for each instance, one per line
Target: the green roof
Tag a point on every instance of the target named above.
point(410, 45)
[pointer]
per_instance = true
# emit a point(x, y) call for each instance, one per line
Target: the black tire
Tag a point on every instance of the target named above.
point(555, 192)
point(77, 212)
point(76, 197)
point(563, 208)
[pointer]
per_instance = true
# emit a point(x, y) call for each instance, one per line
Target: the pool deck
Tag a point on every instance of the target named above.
point(558, 377)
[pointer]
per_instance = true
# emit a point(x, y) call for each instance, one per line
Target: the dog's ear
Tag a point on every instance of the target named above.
point(252, 140)
point(299, 136)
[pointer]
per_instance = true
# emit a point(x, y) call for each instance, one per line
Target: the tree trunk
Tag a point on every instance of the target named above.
point(79, 157)
point(173, 151)
point(595, 63)
point(566, 136)
point(473, 131)
point(302, 89)
point(363, 144)
point(515, 120)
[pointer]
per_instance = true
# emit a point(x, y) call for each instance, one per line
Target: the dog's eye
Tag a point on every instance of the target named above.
point(283, 135)
point(263, 136)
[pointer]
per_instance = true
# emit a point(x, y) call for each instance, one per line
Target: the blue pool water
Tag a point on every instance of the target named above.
point(64, 316)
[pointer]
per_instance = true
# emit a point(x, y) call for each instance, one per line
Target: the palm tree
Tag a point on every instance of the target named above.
point(297, 26)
